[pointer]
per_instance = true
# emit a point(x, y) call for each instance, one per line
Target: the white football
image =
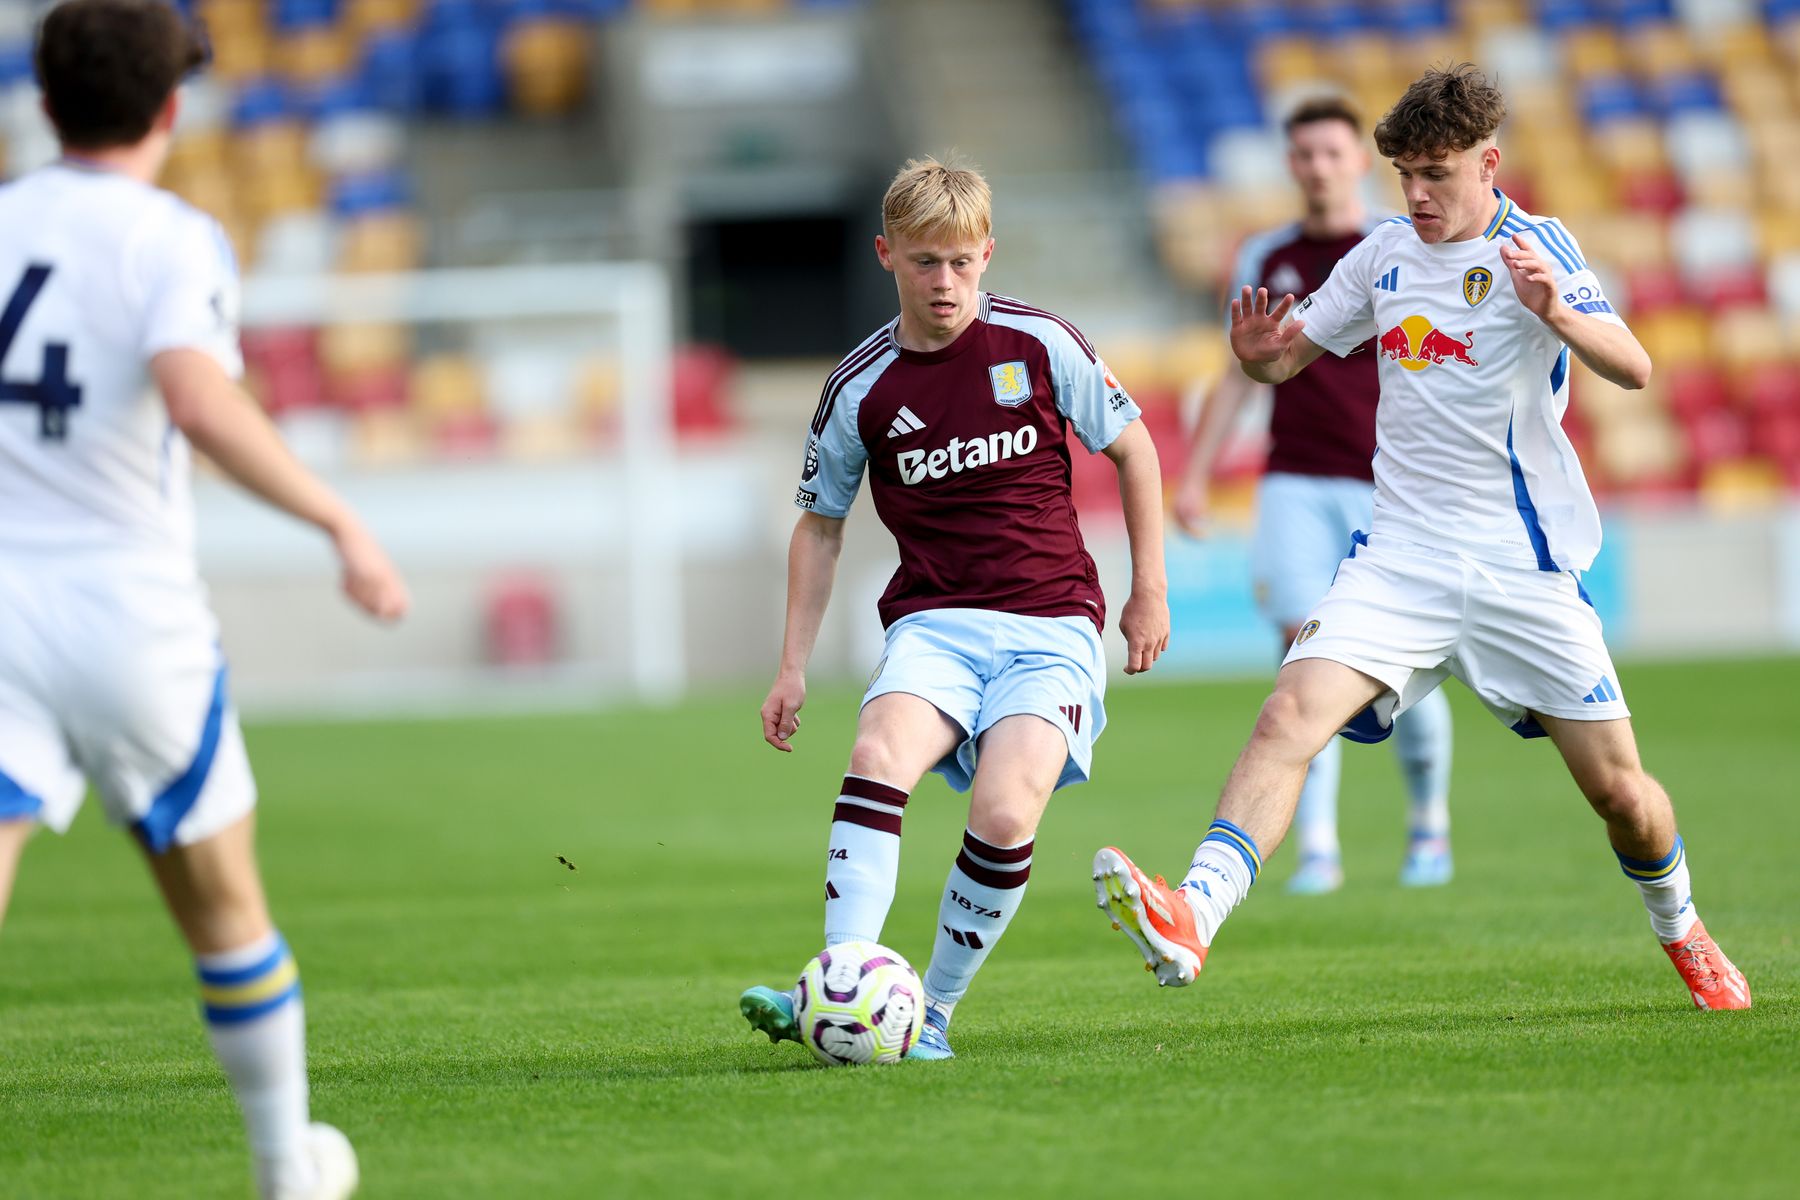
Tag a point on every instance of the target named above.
point(859, 1002)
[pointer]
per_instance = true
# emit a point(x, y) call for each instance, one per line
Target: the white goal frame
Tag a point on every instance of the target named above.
point(634, 295)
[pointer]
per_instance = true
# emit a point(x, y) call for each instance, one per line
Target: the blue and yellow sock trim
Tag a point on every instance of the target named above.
point(1646, 871)
point(1230, 835)
point(246, 993)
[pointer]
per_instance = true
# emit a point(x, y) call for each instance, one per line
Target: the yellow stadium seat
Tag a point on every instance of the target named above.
point(1644, 446)
point(1778, 231)
point(1741, 486)
point(1720, 189)
point(1749, 337)
point(1741, 46)
point(382, 241)
point(1633, 145)
point(1675, 337)
point(1288, 62)
point(444, 386)
point(363, 346)
point(541, 437)
point(240, 56)
point(1660, 48)
point(310, 55)
point(274, 193)
point(1757, 91)
point(366, 16)
point(385, 438)
point(547, 66)
point(1593, 50)
point(1480, 16)
point(1626, 239)
point(1409, 57)
point(1574, 193)
point(272, 147)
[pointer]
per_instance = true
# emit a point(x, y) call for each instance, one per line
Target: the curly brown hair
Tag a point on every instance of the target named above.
point(1447, 109)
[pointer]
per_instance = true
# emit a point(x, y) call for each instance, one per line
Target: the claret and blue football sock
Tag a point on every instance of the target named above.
point(1315, 819)
point(1225, 864)
point(1422, 742)
point(251, 1000)
point(984, 890)
point(1667, 892)
point(863, 862)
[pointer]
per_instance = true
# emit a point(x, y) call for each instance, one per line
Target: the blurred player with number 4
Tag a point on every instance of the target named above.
point(1318, 489)
point(119, 348)
point(960, 411)
point(1483, 523)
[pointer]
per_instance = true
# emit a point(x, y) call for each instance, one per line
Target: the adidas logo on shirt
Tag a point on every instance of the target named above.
point(907, 422)
point(1389, 282)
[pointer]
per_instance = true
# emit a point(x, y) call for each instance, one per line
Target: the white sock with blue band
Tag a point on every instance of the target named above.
point(1666, 890)
point(1225, 864)
point(251, 1000)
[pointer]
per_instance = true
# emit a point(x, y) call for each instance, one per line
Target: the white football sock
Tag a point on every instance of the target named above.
point(1225, 864)
point(984, 890)
point(1668, 894)
point(863, 862)
point(1422, 743)
point(254, 1019)
point(1315, 819)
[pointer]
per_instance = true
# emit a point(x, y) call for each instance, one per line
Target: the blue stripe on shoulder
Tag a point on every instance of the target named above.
point(1549, 242)
point(1560, 372)
point(1398, 221)
point(1568, 241)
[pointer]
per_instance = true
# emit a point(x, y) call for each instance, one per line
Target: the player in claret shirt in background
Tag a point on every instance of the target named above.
point(118, 347)
point(1319, 488)
point(1483, 522)
point(961, 411)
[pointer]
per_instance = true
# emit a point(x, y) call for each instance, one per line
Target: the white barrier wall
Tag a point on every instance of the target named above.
point(1670, 582)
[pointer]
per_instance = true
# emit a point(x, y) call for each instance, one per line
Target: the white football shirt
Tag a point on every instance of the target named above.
point(1470, 451)
point(98, 274)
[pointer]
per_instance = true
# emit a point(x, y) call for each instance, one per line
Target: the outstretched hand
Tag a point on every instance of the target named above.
point(1257, 334)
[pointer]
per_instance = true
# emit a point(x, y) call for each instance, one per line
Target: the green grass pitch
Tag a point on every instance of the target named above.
point(487, 1022)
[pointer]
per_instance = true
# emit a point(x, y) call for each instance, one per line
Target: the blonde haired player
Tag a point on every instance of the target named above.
point(1483, 523)
point(963, 412)
point(118, 348)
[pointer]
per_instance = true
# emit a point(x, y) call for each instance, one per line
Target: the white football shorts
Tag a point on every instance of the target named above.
point(1525, 641)
point(115, 678)
point(979, 667)
point(1303, 528)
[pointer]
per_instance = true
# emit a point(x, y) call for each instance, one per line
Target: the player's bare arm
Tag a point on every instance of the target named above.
point(229, 428)
point(1269, 351)
point(1217, 416)
point(1610, 351)
point(812, 566)
point(1145, 619)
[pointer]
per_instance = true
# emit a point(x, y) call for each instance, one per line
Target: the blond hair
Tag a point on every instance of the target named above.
point(929, 200)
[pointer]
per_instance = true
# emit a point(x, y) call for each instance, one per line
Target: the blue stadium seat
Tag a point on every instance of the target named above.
point(1608, 98)
point(303, 14)
point(359, 195)
point(1569, 14)
point(262, 102)
point(1687, 92)
point(390, 72)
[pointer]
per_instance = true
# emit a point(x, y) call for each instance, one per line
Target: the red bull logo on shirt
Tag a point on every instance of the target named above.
point(1416, 343)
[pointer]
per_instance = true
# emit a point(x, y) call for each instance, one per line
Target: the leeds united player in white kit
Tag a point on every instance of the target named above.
point(1483, 522)
point(118, 348)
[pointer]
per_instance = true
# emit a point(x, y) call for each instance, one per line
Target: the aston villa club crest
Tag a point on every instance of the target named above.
point(1012, 383)
point(1476, 282)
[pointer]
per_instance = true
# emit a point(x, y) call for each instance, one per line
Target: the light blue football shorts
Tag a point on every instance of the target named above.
point(979, 667)
point(1303, 528)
